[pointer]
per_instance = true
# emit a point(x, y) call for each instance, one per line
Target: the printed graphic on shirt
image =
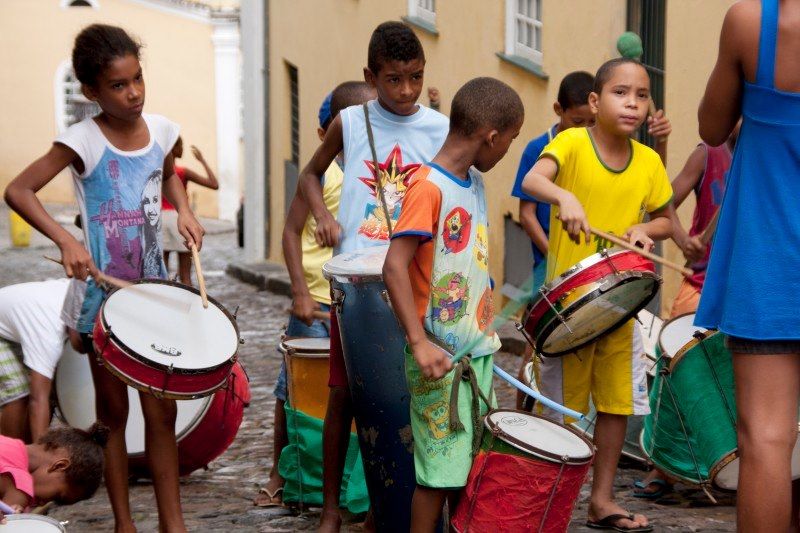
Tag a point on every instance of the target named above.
point(449, 298)
point(457, 227)
point(395, 178)
point(128, 222)
point(481, 247)
point(485, 313)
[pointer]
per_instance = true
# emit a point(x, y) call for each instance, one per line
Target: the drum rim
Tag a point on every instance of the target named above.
point(714, 471)
point(678, 357)
point(527, 448)
point(554, 322)
point(297, 352)
point(169, 395)
point(580, 266)
point(110, 337)
point(327, 274)
point(667, 323)
point(42, 518)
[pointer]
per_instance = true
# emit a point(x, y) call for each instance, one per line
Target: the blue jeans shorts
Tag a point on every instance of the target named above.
point(297, 328)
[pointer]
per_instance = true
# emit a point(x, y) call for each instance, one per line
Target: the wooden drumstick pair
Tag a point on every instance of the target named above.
point(105, 279)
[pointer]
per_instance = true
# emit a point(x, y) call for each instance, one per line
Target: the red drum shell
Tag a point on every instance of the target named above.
point(512, 493)
point(215, 431)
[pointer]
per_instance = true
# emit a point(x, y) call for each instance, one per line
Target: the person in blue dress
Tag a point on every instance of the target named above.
point(754, 272)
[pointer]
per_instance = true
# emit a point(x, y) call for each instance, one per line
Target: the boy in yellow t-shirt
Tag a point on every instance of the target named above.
point(304, 259)
point(600, 175)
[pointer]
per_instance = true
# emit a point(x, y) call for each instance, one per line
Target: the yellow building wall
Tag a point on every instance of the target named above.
point(178, 63)
point(577, 35)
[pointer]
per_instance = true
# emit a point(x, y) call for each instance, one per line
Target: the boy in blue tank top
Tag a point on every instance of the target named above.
point(406, 134)
point(438, 282)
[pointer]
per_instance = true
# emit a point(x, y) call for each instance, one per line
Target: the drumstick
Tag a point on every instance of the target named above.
point(201, 281)
point(100, 277)
point(708, 233)
point(319, 315)
point(644, 253)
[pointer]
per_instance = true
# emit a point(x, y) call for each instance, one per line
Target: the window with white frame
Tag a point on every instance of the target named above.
point(524, 29)
point(423, 9)
point(71, 105)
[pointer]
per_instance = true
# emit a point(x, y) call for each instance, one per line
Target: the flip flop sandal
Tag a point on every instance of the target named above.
point(609, 523)
point(272, 496)
point(640, 489)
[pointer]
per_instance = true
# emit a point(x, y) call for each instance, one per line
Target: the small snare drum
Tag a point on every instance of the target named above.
point(31, 523)
point(592, 298)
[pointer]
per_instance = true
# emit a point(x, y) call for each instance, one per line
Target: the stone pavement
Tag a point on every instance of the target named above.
point(219, 498)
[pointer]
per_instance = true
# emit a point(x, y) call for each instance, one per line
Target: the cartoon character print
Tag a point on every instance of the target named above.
point(395, 178)
point(456, 231)
point(450, 296)
point(437, 415)
point(481, 247)
point(485, 313)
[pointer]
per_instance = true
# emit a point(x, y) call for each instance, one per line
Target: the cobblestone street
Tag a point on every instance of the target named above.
point(220, 498)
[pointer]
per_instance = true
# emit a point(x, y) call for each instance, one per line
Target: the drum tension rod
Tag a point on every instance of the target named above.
point(610, 261)
point(543, 292)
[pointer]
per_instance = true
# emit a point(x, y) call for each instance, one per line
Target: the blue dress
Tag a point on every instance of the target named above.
point(752, 289)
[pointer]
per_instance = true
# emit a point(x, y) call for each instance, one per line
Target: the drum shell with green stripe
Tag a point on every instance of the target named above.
point(691, 431)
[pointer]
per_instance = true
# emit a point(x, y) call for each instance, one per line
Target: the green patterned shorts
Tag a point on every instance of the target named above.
point(443, 457)
point(13, 376)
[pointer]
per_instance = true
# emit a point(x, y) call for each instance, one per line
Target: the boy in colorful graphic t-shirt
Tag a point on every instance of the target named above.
point(438, 280)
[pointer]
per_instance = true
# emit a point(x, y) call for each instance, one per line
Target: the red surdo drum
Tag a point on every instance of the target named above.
point(590, 299)
point(526, 476)
point(157, 337)
point(204, 427)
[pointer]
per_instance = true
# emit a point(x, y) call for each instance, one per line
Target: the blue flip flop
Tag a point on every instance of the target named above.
point(663, 488)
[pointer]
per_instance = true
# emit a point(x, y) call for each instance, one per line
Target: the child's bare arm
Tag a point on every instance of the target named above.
point(303, 305)
point(10, 494)
point(531, 225)
point(209, 180)
point(20, 195)
point(658, 228)
point(682, 185)
point(539, 184)
point(432, 360)
point(188, 226)
point(309, 182)
point(721, 105)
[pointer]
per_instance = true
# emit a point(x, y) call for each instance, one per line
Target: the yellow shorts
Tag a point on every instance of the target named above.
point(613, 370)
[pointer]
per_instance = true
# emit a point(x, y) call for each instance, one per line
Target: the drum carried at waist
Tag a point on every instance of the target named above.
point(526, 476)
point(307, 361)
point(373, 344)
point(590, 299)
point(204, 427)
point(156, 336)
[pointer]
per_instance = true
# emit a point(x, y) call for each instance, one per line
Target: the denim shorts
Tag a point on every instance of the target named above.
point(297, 328)
point(759, 347)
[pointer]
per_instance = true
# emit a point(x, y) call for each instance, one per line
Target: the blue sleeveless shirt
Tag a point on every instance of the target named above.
point(752, 288)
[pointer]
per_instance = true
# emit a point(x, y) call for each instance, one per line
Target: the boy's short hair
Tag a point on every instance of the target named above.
point(349, 93)
point(393, 41)
point(485, 102)
point(607, 69)
point(574, 89)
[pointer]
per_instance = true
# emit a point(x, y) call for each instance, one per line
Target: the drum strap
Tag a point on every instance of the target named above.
point(377, 170)
point(465, 372)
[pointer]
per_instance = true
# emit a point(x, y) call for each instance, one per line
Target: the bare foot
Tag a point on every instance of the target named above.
point(330, 521)
point(271, 494)
point(369, 523)
point(656, 483)
point(598, 511)
point(126, 527)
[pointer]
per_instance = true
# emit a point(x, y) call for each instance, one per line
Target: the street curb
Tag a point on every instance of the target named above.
point(273, 277)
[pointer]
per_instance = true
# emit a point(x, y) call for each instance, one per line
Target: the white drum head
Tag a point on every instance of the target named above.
point(676, 333)
point(534, 435)
point(31, 523)
point(728, 477)
point(307, 345)
point(75, 396)
point(364, 262)
point(167, 324)
point(651, 327)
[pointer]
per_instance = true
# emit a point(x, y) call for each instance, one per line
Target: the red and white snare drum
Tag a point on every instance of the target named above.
point(590, 299)
point(204, 427)
point(156, 336)
point(526, 476)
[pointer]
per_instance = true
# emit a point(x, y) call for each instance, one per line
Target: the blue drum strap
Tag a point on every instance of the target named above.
point(465, 372)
